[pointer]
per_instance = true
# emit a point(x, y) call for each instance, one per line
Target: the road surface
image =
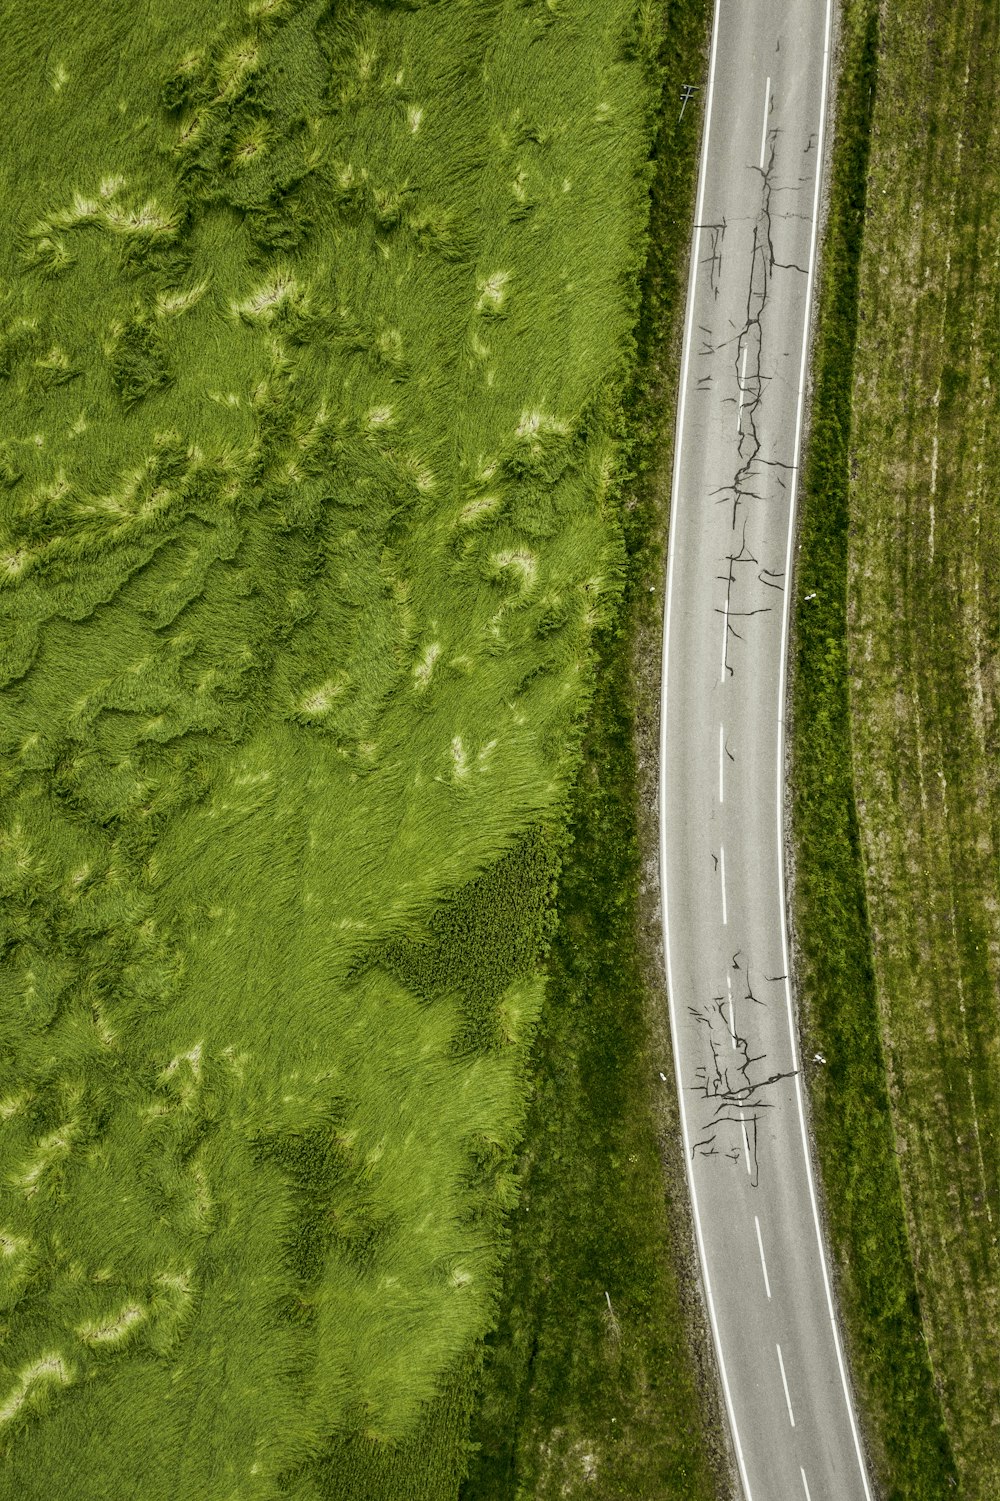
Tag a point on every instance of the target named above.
point(740, 410)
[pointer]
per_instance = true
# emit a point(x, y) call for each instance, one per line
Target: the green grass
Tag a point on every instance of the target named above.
point(583, 1399)
point(856, 1134)
point(315, 323)
point(924, 633)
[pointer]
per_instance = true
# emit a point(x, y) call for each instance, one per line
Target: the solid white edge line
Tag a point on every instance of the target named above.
point(743, 388)
point(763, 1263)
point(803, 368)
point(682, 399)
point(725, 637)
point(784, 1382)
point(763, 128)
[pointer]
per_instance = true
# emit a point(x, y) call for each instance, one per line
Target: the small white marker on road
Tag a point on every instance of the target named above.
point(784, 1382)
point(743, 389)
point(763, 1263)
point(763, 129)
point(805, 1483)
point(722, 751)
point(722, 879)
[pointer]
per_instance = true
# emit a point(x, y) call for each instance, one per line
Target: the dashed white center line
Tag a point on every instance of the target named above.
point(732, 1018)
point(746, 1145)
point(805, 1483)
point(722, 752)
point(763, 129)
point(743, 388)
point(722, 880)
point(725, 640)
point(784, 1382)
point(763, 1263)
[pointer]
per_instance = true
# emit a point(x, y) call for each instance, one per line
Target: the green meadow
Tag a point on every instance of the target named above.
point(315, 321)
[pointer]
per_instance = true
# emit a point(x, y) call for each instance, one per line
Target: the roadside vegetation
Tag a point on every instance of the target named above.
point(315, 327)
point(592, 1384)
point(924, 634)
point(895, 738)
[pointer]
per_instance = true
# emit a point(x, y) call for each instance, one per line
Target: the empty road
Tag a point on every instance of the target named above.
point(740, 413)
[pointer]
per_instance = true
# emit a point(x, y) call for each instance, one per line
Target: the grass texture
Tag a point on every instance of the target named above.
point(895, 785)
point(314, 326)
point(924, 637)
point(591, 1385)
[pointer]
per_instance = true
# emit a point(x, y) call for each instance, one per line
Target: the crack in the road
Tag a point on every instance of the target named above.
point(737, 1098)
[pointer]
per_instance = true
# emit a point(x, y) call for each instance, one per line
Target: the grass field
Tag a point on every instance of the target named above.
point(592, 1386)
point(314, 330)
point(925, 691)
point(895, 738)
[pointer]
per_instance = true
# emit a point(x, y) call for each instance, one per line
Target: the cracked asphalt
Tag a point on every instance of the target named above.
point(740, 415)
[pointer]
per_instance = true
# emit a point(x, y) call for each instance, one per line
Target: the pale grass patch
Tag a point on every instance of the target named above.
point(13, 564)
point(252, 778)
point(423, 477)
point(51, 1149)
point(149, 219)
point(521, 560)
point(321, 698)
point(240, 60)
point(459, 758)
point(189, 128)
point(425, 667)
point(251, 144)
point(113, 1330)
point(13, 1245)
point(484, 505)
point(191, 1057)
point(202, 1195)
point(460, 1277)
point(46, 1371)
point(414, 115)
point(492, 291)
point(168, 303)
point(13, 1104)
point(540, 422)
point(60, 77)
point(379, 417)
point(177, 1286)
point(264, 299)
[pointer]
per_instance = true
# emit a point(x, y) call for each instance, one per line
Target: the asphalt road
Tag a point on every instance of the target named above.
point(740, 411)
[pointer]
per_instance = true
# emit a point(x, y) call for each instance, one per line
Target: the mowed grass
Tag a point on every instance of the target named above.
point(315, 323)
point(843, 1040)
point(924, 634)
point(895, 738)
